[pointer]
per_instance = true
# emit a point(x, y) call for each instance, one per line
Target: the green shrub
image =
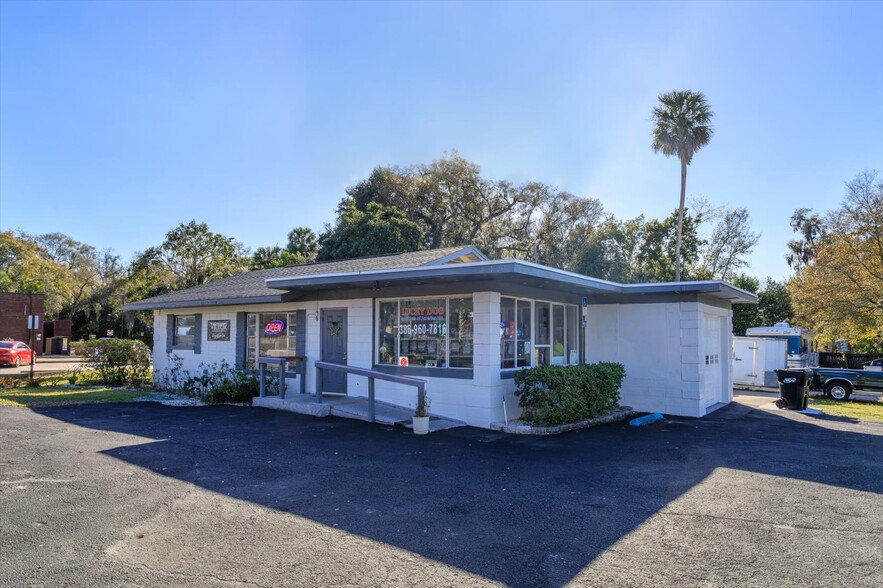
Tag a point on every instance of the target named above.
point(557, 394)
point(218, 383)
point(118, 362)
point(238, 390)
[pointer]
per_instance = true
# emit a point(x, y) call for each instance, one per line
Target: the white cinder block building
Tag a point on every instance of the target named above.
point(461, 322)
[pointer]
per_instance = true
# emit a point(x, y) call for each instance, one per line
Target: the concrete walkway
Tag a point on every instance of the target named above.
point(351, 407)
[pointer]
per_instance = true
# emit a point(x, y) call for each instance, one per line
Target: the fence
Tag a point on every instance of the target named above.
point(852, 361)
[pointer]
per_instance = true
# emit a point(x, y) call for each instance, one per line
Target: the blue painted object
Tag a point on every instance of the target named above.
point(646, 419)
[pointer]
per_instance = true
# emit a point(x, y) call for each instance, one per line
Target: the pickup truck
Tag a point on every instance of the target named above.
point(839, 383)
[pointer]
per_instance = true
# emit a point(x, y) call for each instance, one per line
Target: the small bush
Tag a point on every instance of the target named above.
point(118, 362)
point(218, 383)
point(7, 382)
point(554, 395)
point(238, 390)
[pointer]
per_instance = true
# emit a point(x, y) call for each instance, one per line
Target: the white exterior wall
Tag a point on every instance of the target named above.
point(477, 402)
point(659, 345)
point(212, 352)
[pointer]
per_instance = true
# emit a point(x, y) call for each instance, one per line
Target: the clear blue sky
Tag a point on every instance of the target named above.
point(120, 120)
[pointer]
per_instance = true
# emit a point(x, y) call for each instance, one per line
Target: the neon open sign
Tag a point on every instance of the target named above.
point(274, 327)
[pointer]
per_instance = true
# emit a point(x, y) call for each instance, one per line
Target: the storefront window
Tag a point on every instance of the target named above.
point(270, 335)
point(558, 355)
point(425, 332)
point(543, 335)
point(388, 325)
point(524, 351)
point(422, 331)
point(572, 346)
point(507, 333)
point(460, 318)
point(515, 340)
point(554, 340)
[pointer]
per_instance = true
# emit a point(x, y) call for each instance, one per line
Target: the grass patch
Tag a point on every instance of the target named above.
point(58, 395)
point(856, 409)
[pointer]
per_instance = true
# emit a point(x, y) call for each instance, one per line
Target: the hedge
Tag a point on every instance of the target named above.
point(118, 361)
point(558, 394)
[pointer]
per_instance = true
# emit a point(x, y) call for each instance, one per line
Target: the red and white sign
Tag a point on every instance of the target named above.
point(110, 332)
point(403, 361)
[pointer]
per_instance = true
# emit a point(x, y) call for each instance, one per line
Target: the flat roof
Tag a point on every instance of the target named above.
point(523, 272)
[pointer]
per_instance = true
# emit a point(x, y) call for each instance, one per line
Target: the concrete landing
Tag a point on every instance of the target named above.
point(351, 407)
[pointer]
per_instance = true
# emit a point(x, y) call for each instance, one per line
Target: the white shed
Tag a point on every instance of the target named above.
point(755, 360)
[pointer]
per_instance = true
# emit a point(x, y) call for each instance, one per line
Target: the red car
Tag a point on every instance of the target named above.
point(15, 353)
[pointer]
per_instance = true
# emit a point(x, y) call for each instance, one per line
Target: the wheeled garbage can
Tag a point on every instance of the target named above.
point(793, 388)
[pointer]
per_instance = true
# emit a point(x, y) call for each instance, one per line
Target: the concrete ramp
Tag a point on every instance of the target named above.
point(388, 414)
point(352, 407)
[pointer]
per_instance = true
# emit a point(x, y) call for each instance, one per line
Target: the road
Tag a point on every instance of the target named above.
point(45, 365)
point(145, 494)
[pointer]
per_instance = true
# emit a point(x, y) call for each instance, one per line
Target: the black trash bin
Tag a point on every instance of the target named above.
point(794, 388)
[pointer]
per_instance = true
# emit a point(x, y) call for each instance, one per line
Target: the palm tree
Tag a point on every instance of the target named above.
point(682, 127)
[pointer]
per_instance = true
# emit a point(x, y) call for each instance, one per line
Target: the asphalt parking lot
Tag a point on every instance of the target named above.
point(145, 494)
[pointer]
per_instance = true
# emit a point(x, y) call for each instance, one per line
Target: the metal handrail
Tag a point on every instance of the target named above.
point(371, 375)
point(263, 362)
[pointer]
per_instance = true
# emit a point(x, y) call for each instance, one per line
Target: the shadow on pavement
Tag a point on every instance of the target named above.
point(488, 503)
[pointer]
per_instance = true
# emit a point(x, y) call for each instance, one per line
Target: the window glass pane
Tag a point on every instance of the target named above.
point(543, 323)
point(460, 332)
point(292, 341)
point(422, 331)
point(292, 333)
point(272, 335)
point(185, 330)
point(388, 327)
point(507, 333)
point(522, 333)
point(251, 344)
point(572, 330)
point(558, 355)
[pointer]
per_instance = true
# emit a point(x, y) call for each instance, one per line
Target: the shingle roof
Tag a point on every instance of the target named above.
point(251, 286)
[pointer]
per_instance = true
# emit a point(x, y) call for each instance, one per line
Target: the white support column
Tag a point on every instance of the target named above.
point(486, 338)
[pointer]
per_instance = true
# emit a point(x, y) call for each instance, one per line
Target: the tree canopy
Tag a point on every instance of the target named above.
point(192, 255)
point(377, 230)
point(837, 291)
point(447, 202)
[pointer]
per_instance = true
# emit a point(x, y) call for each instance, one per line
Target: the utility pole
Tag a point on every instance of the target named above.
point(32, 324)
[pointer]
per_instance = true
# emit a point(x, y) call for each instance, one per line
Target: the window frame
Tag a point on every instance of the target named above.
point(184, 346)
point(422, 369)
point(252, 352)
point(509, 371)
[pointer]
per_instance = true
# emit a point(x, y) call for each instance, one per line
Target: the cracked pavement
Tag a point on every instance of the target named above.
point(152, 495)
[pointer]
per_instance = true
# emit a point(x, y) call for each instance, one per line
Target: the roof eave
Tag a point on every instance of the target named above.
point(714, 288)
point(147, 305)
point(483, 269)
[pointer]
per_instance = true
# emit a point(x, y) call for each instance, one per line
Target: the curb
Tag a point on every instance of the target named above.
point(520, 428)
